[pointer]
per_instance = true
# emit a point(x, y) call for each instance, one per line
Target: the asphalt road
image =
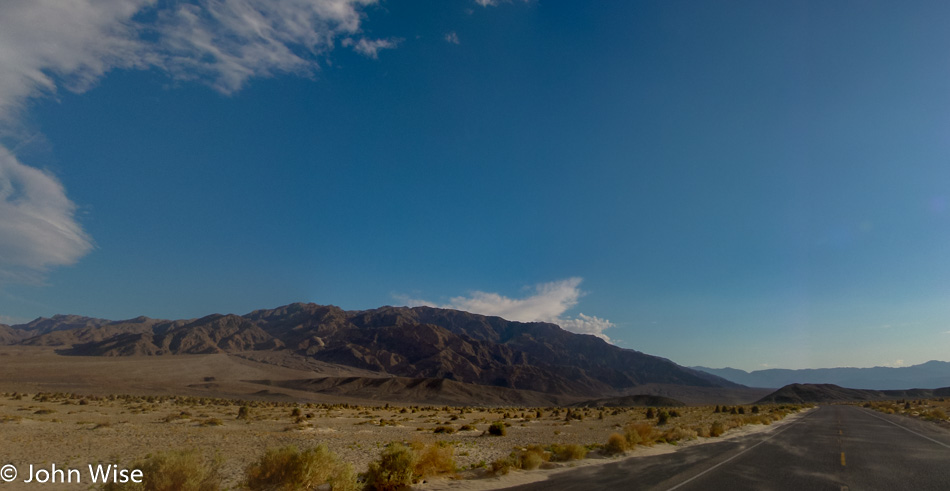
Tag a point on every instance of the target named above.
point(829, 448)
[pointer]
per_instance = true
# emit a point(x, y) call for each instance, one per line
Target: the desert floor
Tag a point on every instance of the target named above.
point(72, 430)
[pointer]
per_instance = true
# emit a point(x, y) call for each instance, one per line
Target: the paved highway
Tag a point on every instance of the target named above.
point(834, 448)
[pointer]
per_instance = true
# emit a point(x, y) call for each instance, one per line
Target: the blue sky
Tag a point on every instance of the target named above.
point(747, 184)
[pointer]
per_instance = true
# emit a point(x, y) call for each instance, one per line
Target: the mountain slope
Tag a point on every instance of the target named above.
point(418, 342)
point(823, 393)
point(932, 374)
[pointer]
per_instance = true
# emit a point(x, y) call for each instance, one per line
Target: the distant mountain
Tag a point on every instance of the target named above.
point(825, 393)
point(417, 343)
point(928, 375)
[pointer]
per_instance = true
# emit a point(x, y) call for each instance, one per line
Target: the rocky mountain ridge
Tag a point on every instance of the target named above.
point(418, 342)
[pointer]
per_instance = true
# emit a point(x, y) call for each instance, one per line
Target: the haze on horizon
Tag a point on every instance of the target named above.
point(743, 184)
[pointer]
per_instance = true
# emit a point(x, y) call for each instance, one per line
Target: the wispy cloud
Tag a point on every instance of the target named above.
point(228, 42)
point(547, 304)
point(452, 37)
point(38, 229)
point(494, 3)
point(50, 45)
point(370, 47)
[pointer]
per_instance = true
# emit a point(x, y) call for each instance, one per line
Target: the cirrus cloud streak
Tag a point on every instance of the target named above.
point(50, 45)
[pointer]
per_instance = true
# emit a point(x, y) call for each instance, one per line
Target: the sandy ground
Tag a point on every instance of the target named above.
point(70, 430)
point(192, 403)
point(518, 478)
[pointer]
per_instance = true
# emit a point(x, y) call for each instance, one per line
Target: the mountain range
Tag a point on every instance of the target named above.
point(930, 375)
point(830, 393)
point(414, 345)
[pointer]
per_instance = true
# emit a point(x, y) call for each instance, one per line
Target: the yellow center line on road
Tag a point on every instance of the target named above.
point(842, 459)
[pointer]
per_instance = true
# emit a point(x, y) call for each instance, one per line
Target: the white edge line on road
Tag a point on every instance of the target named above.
point(697, 476)
point(869, 413)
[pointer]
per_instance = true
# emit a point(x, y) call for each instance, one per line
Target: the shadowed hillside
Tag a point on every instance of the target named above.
point(414, 343)
point(819, 393)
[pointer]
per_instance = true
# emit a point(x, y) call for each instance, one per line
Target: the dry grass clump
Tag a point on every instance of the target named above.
point(717, 429)
point(394, 470)
point(616, 444)
point(565, 453)
point(288, 469)
point(678, 433)
point(433, 460)
point(640, 433)
point(173, 471)
point(935, 415)
point(400, 466)
point(528, 458)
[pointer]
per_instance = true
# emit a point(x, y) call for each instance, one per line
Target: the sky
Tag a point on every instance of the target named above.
point(754, 184)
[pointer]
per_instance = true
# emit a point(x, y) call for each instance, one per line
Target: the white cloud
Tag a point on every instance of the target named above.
point(586, 324)
point(38, 229)
point(49, 45)
point(494, 3)
point(547, 304)
point(452, 37)
point(45, 43)
point(226, 42)
point(370, 47)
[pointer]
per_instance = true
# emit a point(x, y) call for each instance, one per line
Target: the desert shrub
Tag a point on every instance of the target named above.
point(679, 433)
point(244, 412)
point(433, 460)
point(616, 444)
point(394, 470)
point(755, 409)
point(444, 429)
point(212, 422)
point(936, 415)
point(500, 467)
point(716, 429)
point(173, 471)
point(642, 433)
point(662, 418)
point(467, 427)
point(287, 468)
point(564, 453)
point(531, 459)
point(650, 413)
point(498, 428)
